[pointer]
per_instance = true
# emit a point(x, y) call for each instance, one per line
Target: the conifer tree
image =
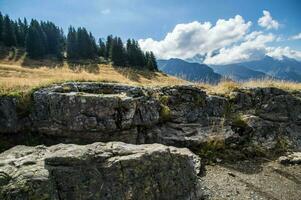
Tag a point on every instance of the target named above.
point(109, 44)
point(102, 48)
point(154, 61)
point(35, 40)
point(9, 36)
point(72, 48)
point(1, 27)
point(54, 38)
point(117, 52)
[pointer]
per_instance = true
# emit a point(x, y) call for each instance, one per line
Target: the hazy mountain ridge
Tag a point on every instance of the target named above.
point(189, 71)
point(238, 72)
point(285, 68)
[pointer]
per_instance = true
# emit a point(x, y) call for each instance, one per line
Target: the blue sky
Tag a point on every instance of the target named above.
point(142, 19)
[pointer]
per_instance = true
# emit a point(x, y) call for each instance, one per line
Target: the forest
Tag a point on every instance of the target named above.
point(44, 38)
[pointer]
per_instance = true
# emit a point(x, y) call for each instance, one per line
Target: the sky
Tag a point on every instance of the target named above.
point(221, 31)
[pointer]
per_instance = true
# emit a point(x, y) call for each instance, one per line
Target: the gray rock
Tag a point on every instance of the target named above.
point(8, 114)
point(85, 109)
point(182, 116)
point(293, 158)
point(99, 171)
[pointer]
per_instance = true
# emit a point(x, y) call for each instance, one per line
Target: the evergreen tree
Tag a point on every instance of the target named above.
point(151, 63)
point(109, 44)
point(1, 27)
point(9, 35)
point(93, 49)
point(21, 31)
point(102, 48)
point(154, 61)
point(35, 40)
point(54, 38)
point(72, 49)
point(117, 52)
point(134, 54)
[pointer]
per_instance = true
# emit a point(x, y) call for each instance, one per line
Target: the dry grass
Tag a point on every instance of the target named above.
point(15, 79)
point(19, 75)
point(225, 87)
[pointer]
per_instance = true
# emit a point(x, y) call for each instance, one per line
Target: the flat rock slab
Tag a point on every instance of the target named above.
point(99, 171)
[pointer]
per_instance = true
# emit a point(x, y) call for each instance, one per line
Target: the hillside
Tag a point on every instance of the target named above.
point(20, 74)
point(284, 69)
point(189, 71)
point(238, 72)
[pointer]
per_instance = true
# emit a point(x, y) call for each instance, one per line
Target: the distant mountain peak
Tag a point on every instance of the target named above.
point(189, 71)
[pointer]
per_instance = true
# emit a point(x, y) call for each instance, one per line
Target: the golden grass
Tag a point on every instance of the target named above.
point(17, 79)
point(225, 87)
point(19, 75)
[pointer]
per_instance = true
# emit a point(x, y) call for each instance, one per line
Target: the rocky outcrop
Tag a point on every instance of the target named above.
point(99, 171)
point(183, 116)
point(246, 122)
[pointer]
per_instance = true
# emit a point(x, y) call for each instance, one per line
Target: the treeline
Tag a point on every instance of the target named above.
point(45, 38)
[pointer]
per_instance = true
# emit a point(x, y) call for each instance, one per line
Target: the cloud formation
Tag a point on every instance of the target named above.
point(280, 52)
point(266, 21)
point(296, 37)
point(106, 11)
point(187, 40)
point(228, 41)
point(252, 48)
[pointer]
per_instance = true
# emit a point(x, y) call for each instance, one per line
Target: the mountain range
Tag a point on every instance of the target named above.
point(283, 69)
point(189, 71)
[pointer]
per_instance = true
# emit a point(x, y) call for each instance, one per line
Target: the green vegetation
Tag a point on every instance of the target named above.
point(165, 113)
point(41, 39)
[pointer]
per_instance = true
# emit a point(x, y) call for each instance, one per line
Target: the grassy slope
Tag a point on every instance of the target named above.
point(19, 76)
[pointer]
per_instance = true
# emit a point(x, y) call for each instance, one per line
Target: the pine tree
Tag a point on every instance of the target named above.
point(109, 44)
point(9, 35)
point(72, 47)
point(117, 52)
point(154, 61)
point(93, 49)
point(54, 38)
point(102, 48)
point(35, 40)
point(1, 27)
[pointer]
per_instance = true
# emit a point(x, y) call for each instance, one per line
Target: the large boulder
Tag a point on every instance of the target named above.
point(99, 171)
point(97, 111)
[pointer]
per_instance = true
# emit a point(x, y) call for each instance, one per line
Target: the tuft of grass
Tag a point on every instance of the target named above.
point(165, 113)
point(225, 87)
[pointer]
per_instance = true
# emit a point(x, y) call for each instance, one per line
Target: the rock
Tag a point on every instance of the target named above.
point(8, 114)
point(183, 116)
point(93, 111)
point(99, 171)
point(293, 158)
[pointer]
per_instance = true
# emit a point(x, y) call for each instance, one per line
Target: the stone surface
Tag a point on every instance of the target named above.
point(184, 116)
point(8, 115)
point(255, 179)
point(293, 158)
point(99, 171)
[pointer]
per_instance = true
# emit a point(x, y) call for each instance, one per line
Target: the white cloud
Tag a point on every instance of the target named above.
point(228, 41)
point(267, 21)
point(252, 48)
point(187, 40)
point(296, 37)
point(106, 11)
point(279, 52)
